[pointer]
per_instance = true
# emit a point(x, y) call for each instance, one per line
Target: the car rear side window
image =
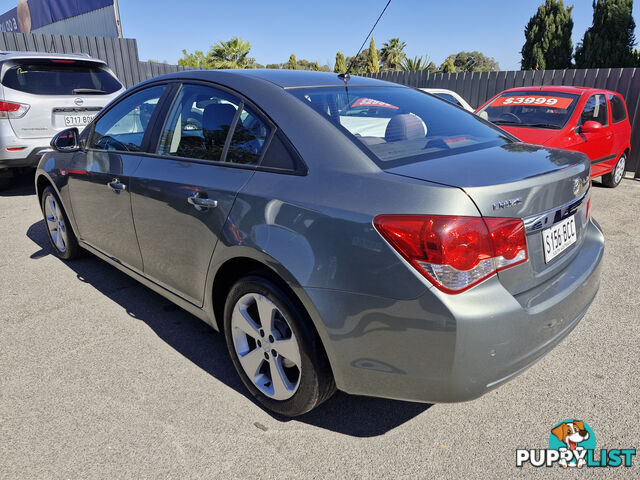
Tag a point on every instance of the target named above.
point(123, 127)
point(280, 156)
point(61, 77)
point(399, 125)
point(249, 138)
point(618, 112)
point(595, 110)
point(199, 124)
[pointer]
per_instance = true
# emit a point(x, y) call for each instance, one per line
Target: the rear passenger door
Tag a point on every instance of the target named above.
point(182, 194)
point(598, 145)
point(620, 125)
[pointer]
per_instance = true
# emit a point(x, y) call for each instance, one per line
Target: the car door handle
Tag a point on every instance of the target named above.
point(116, 185)
point(202, 203)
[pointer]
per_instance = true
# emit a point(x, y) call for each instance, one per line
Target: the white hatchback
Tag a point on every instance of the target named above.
point(450, 96)
point(42, 94)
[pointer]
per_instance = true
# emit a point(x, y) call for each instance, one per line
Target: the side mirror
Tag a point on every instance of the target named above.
point(66, 141)
point(590, 126)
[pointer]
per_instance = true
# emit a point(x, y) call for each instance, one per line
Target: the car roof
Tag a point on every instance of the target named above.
point(11, 55)
point(557, 88)
point(284, 78)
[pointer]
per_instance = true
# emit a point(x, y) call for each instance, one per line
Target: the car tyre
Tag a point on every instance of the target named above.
point(59, 231)
point(615, 176)
point(260, 319)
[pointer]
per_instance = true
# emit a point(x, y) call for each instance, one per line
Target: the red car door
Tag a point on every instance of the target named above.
point(597, 145)
point(620, 124)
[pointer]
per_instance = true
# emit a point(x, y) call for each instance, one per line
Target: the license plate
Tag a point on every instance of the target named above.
point(77, 120)
point(558, 238)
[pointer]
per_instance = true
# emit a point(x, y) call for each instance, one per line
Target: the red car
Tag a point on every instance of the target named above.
point(588, 120)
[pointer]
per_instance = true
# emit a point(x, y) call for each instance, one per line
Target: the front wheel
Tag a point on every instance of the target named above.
point(614, 177)
point(274, 349)
point(61, 236)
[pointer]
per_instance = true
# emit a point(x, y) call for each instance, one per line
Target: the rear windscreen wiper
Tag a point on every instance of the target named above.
point(79, 91)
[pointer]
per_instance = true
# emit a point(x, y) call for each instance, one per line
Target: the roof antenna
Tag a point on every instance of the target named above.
point(345, 76)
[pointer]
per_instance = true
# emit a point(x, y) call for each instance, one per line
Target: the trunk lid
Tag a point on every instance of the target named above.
point(541, 186)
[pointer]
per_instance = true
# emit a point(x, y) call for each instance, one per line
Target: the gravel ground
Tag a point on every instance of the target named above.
point(102, 378)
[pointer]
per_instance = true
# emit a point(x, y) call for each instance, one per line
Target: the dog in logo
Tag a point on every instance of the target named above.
point(571, 434)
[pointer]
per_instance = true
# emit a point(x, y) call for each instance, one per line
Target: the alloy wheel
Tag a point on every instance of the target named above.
point(619, 171)
point(266, 346)
point(55, 223)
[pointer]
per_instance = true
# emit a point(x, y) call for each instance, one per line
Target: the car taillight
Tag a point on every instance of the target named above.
point(455, 253)
point(13, 109)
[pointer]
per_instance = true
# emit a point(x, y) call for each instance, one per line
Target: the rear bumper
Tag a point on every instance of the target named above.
point(450, 348)
point(26, 157)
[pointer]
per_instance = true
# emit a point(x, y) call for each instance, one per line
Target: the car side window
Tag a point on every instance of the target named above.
point(199, 123)
point(249, 138)
point(449, 98)
point(595, 110)
point(618, 112)
point(124, 125)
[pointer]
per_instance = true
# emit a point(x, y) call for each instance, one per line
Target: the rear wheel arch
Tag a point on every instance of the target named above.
point(236, 268)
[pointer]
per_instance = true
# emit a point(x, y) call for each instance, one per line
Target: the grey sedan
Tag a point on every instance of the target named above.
point(341, 232)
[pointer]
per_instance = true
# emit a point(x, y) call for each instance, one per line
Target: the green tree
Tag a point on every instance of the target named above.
point(416, 63)
point(293, 63)
point(392, 54)
point(548, 38)
point(233, 53)
point(341, 65)
point(373, 65)
point(359, 62)
point(448, 66)
point(473, 62)
point(273, 66)
point(610, 40)
point(196, 60)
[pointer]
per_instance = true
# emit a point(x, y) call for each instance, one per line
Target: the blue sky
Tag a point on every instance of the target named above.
point(316, 30)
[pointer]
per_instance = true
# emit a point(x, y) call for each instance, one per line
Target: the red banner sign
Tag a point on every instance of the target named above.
point(370, 102)
point(533, 101)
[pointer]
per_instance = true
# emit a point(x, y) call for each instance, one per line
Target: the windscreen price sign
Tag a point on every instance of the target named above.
point(533, 101)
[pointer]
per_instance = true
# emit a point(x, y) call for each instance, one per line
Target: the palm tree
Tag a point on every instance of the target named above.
point(392, 53)
point(231, 54)
point(416, 63)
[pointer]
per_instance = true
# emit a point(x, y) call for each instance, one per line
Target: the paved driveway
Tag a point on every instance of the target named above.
point(102, 378)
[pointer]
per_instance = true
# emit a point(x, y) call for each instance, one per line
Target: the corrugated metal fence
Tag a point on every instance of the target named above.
point(121, 54)
point(478, 87)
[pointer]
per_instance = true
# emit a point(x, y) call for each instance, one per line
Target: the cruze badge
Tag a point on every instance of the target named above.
point(507, 203)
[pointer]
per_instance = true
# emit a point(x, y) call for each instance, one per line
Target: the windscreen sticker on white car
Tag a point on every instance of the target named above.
point(555, 102)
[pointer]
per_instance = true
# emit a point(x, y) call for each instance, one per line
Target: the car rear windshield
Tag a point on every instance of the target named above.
point(531, 109)
point(60, 77)
point(400, 125)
